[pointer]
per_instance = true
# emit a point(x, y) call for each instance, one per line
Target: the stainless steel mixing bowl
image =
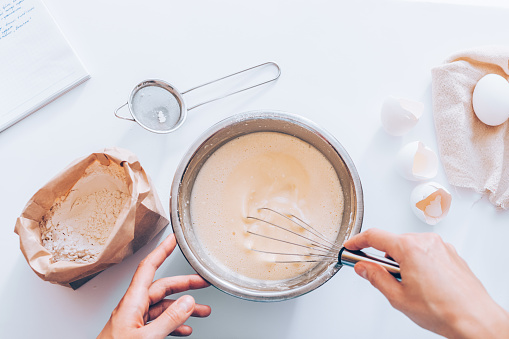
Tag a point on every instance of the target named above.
point(202, 149)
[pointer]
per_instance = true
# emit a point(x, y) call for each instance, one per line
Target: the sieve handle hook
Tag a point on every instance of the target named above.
point(121, 117)
point(240, 90)
point(350, 258)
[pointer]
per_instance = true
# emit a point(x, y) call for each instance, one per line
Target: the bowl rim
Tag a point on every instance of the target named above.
point(224, 285)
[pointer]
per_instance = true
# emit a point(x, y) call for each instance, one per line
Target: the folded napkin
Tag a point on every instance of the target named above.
point(473, 154)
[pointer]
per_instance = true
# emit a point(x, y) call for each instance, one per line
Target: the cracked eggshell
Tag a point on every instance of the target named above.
point(400, 115)
point(415, 161)
point(430, 202)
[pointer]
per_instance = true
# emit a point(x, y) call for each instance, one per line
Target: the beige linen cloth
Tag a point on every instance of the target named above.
point(473, 154)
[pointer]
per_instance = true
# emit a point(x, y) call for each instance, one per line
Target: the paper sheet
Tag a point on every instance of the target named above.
point(37, 64)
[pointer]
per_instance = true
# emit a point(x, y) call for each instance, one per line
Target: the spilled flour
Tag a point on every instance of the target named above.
point(79, 223)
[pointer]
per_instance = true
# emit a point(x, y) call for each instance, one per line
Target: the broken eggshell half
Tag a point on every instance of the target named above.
point(400, 115)
point(430, 202)
point(415, 161)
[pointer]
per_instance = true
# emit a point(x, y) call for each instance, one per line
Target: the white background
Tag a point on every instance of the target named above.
point(340, 59)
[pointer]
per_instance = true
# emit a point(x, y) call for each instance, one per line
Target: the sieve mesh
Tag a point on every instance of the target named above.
point(156, 108)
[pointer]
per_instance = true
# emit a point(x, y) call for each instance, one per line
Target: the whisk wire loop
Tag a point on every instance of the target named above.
point(320, 252)
point(301, 223)
point(287, 242)
point(312, 242)
point(323, 249)
point(298, 254)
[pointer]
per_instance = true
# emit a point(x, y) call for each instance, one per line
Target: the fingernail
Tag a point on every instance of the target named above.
point(361, 270)
point(185, 304)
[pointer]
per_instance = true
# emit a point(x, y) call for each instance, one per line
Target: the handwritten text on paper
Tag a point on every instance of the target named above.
point(14, 15)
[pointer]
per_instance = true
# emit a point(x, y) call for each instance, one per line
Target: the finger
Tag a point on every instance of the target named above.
point(381, 280)
point(451, 248)
point(173, 316)
point(170, 285)
point(389, 257)
point(146, 270)
point(200, 311)
point(182, 331)
point(376, 238)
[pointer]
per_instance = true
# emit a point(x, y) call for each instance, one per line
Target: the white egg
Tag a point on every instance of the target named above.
point(430, 202)
point(415, 161)
point(400, 115)
point(491, 99)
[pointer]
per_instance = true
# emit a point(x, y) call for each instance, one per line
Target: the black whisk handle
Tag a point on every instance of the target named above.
point(350, 258)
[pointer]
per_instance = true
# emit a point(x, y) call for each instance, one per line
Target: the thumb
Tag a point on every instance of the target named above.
point(173, 317)
point(380, 279)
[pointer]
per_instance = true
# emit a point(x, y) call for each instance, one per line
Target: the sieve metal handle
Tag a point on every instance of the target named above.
point(350, 258)
point(240, 90)
point(121, 117)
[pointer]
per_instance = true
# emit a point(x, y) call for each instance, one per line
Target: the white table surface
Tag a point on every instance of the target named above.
point(340, 59)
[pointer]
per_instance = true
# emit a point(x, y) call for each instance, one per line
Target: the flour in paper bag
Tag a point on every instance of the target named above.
point(79, 223)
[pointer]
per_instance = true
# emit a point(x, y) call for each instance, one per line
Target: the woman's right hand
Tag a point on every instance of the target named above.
point(438, 291)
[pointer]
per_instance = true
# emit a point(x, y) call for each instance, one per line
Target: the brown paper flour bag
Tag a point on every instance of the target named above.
point(105, 188)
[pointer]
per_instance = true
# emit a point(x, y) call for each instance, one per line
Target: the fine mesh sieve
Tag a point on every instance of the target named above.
point(160, 108)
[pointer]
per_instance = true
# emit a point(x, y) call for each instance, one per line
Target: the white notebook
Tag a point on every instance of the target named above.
point(37, 64)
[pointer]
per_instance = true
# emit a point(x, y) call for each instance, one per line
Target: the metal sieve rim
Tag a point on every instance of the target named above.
point(168, 87)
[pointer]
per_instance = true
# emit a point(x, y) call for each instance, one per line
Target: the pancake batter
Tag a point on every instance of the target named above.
point(264, 169)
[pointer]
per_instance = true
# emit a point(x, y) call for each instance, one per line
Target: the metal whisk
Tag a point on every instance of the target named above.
point(316, 245)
